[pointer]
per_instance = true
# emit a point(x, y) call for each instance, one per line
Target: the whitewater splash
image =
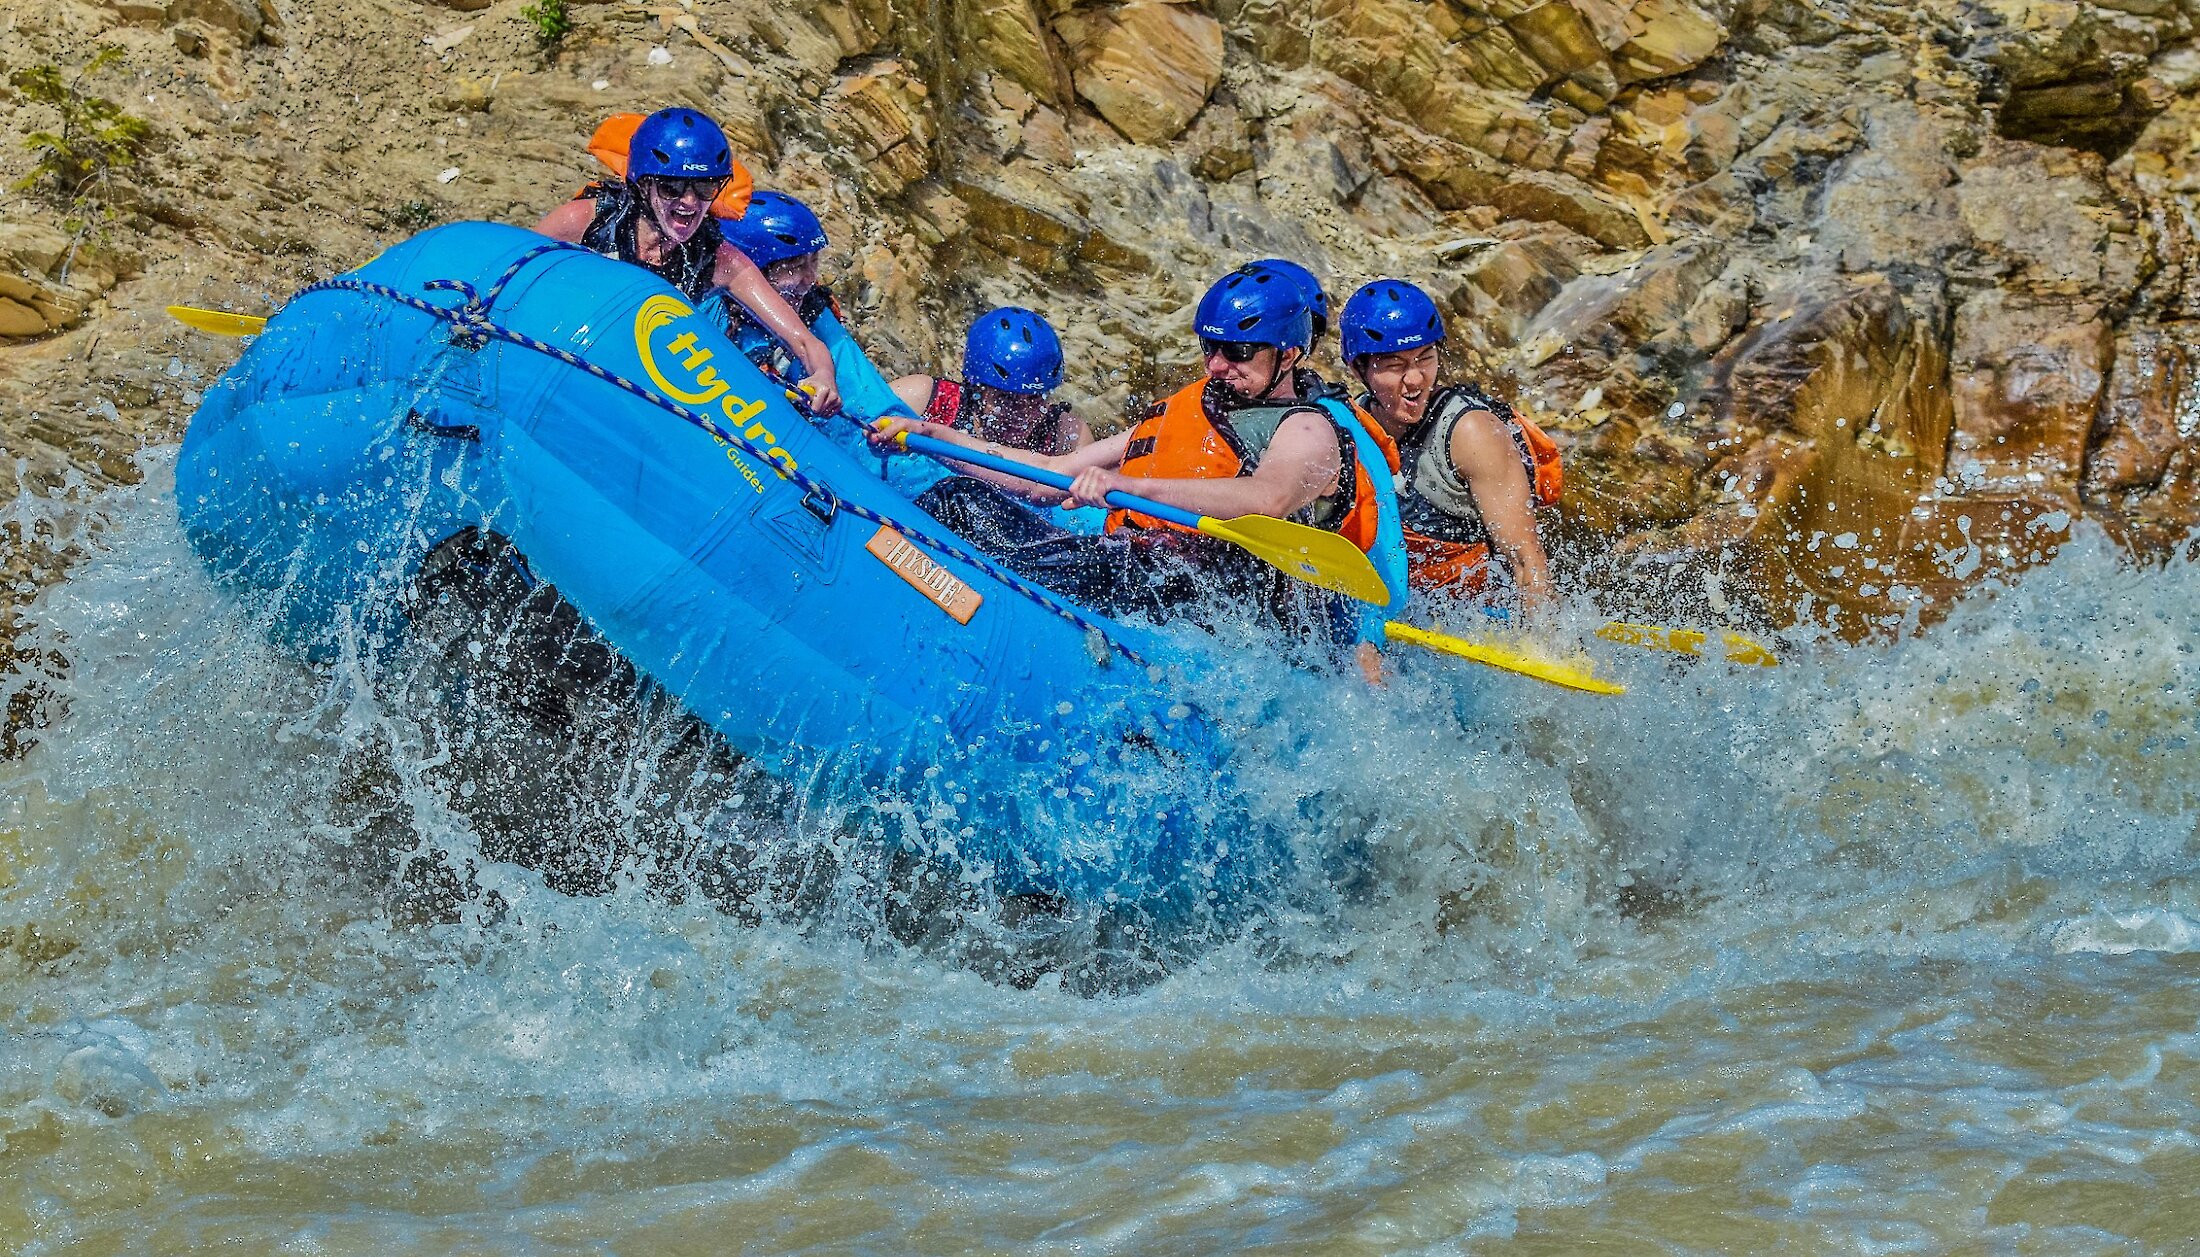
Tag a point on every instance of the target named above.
point(1884, 949)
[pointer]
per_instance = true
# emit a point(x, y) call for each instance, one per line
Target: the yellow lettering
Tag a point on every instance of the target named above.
point(658, 313)
point(684, 342)
point(708, 381)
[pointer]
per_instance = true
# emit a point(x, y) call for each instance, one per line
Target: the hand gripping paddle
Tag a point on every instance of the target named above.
point(1309, 554)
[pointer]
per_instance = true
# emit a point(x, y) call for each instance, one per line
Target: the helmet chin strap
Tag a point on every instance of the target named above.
point(649, 203)
point(1276, 377)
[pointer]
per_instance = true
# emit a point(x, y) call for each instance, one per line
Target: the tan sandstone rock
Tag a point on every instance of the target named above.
point(2027, 383)
point(19, 319)
point(1674, 35)
point(2049, 215)
point(2151, 414)
point(48, 279)
point(879, 113)
point(1008, 36)
point(1146, 66)
point(1551, 197)
point(1829, 428)
point(1520, 277)
point(245, 21)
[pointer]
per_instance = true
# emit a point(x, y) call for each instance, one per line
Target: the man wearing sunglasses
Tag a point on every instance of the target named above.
point(1247, 438)
point(659, 218)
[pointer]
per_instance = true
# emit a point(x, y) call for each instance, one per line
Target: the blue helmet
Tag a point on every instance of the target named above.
point(1013, 349)
point(1252, 305)
point(774, 228)
point(1390, 316)
point(679, 143)
point(1309, 285)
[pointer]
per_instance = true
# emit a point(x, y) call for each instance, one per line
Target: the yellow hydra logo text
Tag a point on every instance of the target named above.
point(701, 385)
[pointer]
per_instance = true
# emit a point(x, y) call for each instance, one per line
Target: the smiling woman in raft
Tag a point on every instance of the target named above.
point(663, 216)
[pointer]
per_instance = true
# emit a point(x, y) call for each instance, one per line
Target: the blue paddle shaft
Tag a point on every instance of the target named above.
point(1051, 479)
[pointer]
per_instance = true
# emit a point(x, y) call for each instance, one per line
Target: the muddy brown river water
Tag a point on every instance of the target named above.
point(1890, 949)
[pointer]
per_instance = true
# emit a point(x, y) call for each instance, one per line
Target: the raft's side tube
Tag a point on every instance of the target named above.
point(358, 432)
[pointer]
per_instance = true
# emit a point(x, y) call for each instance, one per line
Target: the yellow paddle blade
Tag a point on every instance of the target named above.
point(1310, 554)
point(1653, 637)
point(219, 322)
point(1556, 673)
point(1739, 649)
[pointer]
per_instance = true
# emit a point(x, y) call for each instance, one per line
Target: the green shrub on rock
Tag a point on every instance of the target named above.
point(552, 23)
point(96, 141)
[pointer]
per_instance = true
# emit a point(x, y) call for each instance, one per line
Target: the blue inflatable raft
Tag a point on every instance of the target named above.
point(479, 377)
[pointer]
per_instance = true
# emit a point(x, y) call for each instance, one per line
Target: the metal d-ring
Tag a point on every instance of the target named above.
point(819, 501)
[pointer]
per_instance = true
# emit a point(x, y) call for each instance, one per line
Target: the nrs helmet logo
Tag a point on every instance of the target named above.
point(657, 329)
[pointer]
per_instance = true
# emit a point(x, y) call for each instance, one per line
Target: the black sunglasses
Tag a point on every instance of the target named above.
point(675, 189)
point(1240, 351)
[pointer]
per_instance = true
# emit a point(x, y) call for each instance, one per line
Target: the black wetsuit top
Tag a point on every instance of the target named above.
point(690, 267)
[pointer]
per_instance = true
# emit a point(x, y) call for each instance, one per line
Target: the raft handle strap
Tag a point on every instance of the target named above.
point(456, 431)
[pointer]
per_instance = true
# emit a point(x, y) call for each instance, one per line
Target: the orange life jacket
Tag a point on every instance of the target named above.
point(1442, 550)
point(1181, 440)
point(1459, 567)
point(1545, 478)
point(612, 139)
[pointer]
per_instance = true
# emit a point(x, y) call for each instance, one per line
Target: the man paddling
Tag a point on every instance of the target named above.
point(1012, 363)
point(658, 217)
point(1244, 439)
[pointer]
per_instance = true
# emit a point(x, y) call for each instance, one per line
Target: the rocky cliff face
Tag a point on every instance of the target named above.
point(1838, 305)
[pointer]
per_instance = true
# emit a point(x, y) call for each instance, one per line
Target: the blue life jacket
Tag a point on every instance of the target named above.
point(865, 399)
point(1389, 554)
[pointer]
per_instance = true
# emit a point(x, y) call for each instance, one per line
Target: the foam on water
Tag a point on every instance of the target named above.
point(1881, 950)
